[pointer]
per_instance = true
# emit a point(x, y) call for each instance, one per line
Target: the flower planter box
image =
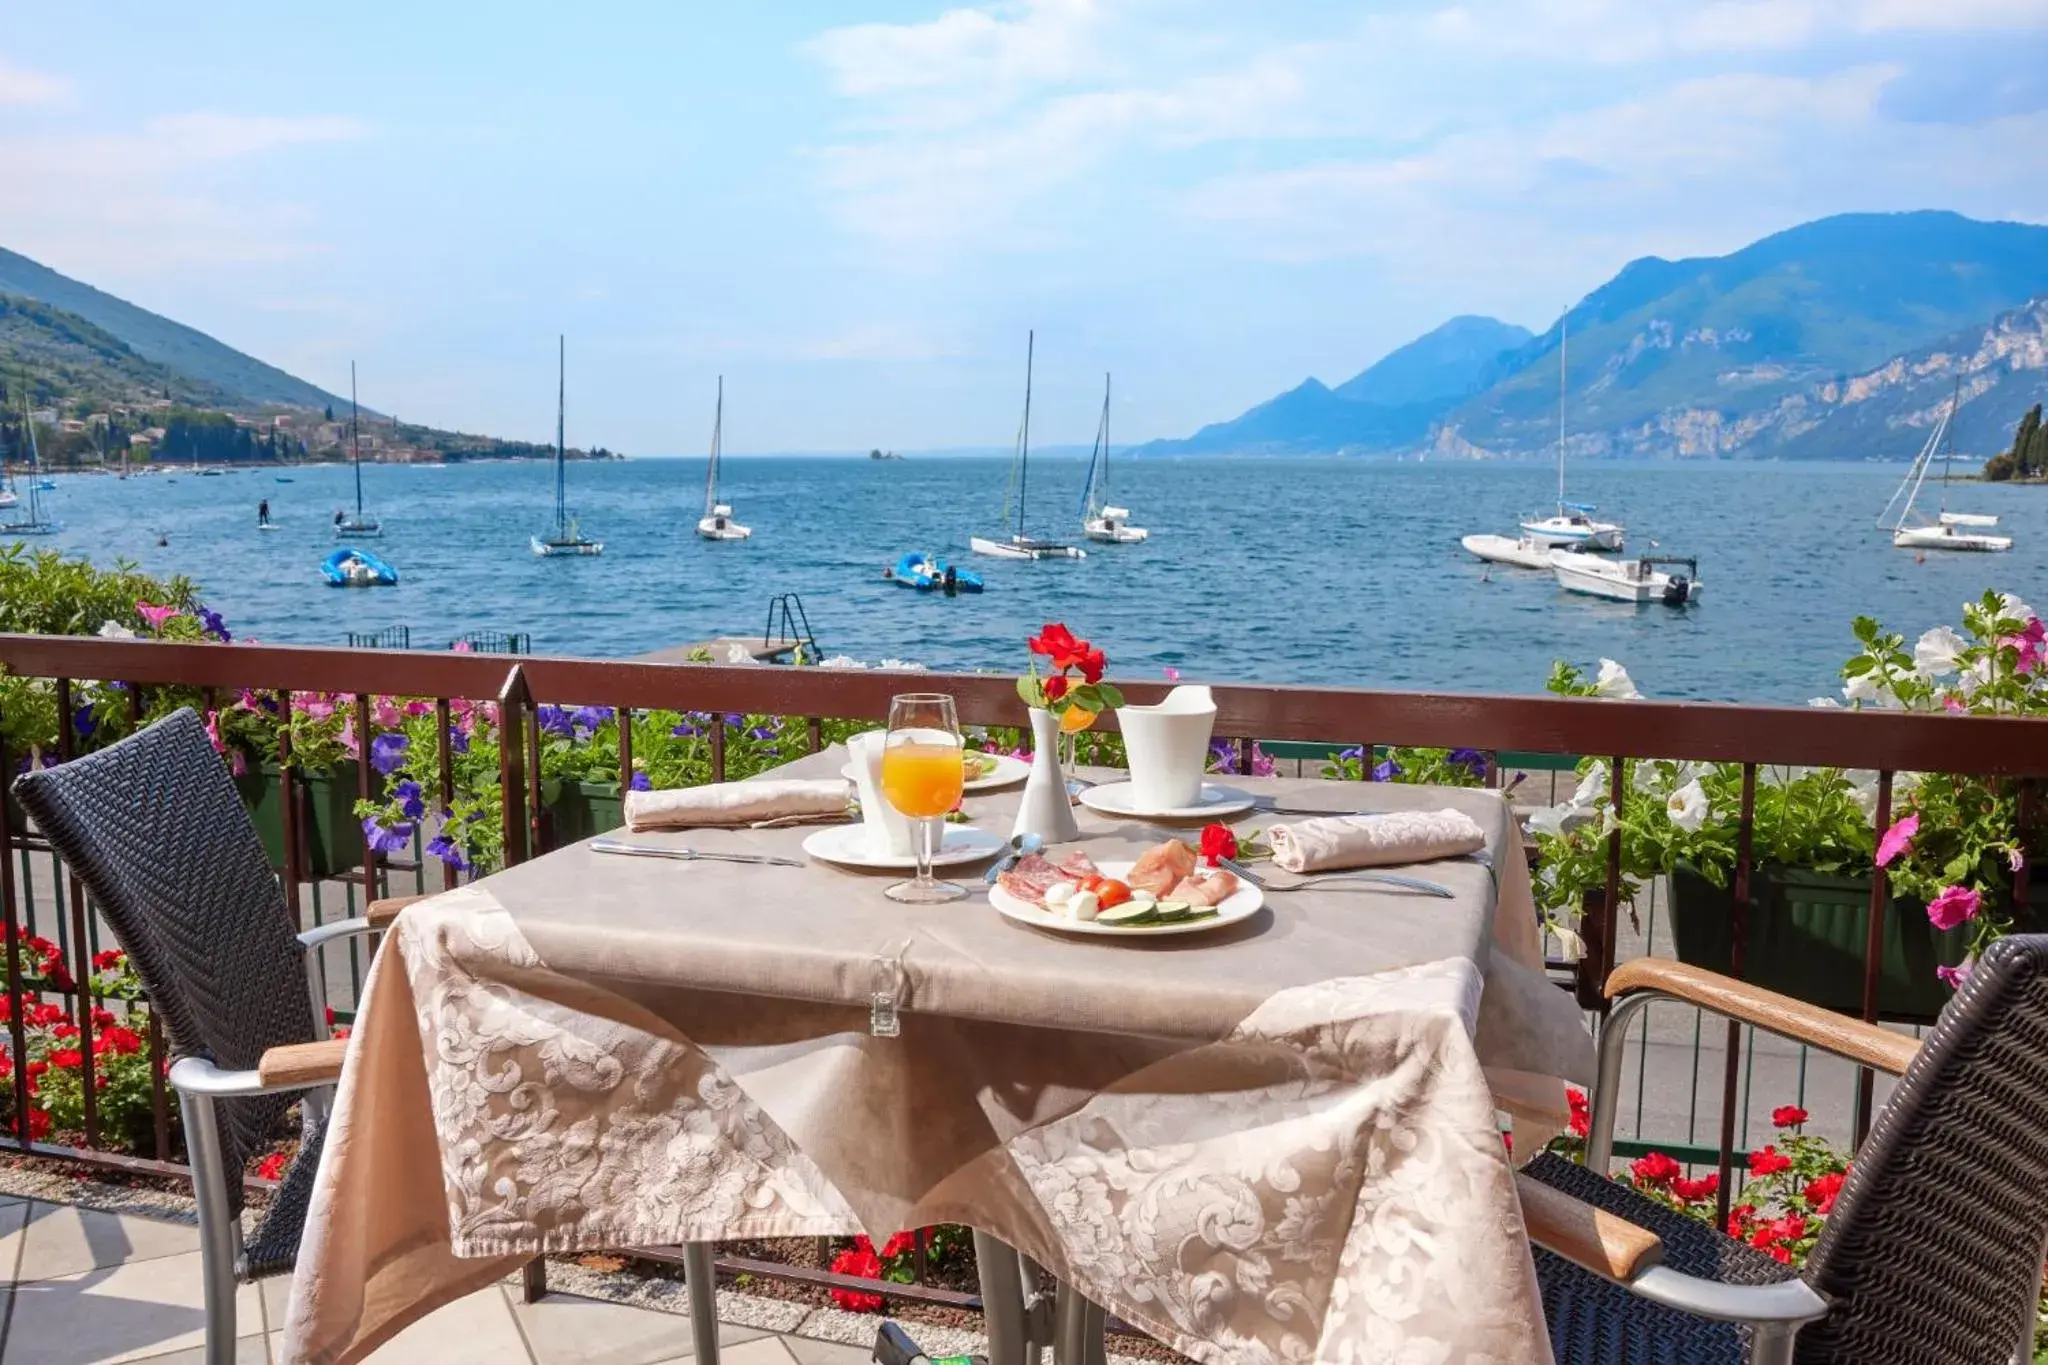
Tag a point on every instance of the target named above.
point(579, 810)
point(1806, 933)
point(333, 835)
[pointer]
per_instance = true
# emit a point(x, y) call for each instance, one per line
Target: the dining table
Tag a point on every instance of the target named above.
point(1280, 1140)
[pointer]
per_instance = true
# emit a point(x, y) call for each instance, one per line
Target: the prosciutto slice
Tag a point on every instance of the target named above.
point(1162, 868)
point(1210, 891)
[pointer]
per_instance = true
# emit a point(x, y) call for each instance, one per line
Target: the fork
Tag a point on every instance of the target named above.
point(1359, 875)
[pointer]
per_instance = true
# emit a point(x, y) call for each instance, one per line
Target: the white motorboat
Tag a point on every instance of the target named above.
point(1572, 524)
point(564, 537)
point(1636, 580)
point(1526, 552)
point(1099, 520)
point(1949, 530)
point(717, 522)
point(1018, 545)
point(362, 524)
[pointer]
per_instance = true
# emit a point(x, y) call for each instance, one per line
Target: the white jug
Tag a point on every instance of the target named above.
point(1168, 746)
point(888, 828)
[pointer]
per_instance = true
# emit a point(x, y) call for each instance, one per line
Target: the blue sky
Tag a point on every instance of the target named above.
point(854, 212)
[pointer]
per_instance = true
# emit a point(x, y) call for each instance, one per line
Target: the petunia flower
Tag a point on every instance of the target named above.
point(1936, 652)
point(1898, 839)
point(1614, 682)
point(387, 752)
point(1956, 905)
point(411, 800)
point(382, 839)
point(1954, 977)
point(640, 783)
point(1687, 807)
point(1386, 770)
point(157, 617)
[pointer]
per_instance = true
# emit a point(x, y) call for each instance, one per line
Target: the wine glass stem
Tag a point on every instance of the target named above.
point(928, 834)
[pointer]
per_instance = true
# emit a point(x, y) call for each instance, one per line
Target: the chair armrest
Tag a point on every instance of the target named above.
point(1616, 1249)
point(380, 913)
point(1607, 1245)
point(341, 928)
point(295, 1066)
point(1839, 1034)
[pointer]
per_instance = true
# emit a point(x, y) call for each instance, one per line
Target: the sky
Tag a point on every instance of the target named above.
point(855, 211)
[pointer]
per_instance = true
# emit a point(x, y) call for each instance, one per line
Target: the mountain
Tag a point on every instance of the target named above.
point(71, 356)
point(1389, 404)
point(176, 347)
point(1779, 349)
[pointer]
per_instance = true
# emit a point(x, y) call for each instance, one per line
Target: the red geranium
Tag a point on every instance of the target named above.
point(902, 1244)
point(1696, 1191)
point(1738, 1220)
point(1582, 1112)
point(1788, 1116)
point(1822, 1191)
point(1217, 842)
point(272, 1166)
point(67, 1059)
point(1655, 1169)
point(860, 1262)
point(1768, 1161)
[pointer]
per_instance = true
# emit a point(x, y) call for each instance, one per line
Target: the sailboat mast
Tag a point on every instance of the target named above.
point(1948, 451)
point(1105, 436)
point(561, 428)
point(1563, 326)
point(717, 439)
point(1024, 449)
point(354, 440)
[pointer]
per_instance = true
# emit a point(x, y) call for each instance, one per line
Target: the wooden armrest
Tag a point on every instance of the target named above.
point(302, 1063)
point(1584, 1235)
point(1781, 1014)
point(380, 913)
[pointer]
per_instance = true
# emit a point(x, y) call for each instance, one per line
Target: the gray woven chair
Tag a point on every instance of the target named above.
point(155, 832)
point(1933, 1253)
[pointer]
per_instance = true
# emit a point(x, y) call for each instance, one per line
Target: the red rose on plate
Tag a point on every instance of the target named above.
point(1217, 842)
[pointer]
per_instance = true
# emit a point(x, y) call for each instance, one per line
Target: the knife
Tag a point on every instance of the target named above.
point(687, 855)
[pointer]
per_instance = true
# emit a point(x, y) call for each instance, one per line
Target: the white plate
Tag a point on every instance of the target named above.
point(1120, 798)
point(847, 845)
point(1237, 907)
point(1008, 773)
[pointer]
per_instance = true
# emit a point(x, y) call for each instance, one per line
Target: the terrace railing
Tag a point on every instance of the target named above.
point(1755, 737)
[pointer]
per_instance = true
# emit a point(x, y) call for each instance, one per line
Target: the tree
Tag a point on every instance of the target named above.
point(2028, 457)
point(330, 412)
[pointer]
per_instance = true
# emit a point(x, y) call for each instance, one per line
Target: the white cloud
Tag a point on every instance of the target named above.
point(1037, 42)
point(19, 85)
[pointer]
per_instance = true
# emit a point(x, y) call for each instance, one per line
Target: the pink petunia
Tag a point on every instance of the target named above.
point(317, 708)
point(156, 616)
point(1953, 704)
point(1897, 840)
point(1954, 977)
point(1955, 905)
point(213, 733)
point(1173, 675)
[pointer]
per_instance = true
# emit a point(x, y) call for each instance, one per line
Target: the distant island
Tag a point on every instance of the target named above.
point(883, 455)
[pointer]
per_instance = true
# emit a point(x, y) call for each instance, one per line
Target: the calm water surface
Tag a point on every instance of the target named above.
point(1296, 570)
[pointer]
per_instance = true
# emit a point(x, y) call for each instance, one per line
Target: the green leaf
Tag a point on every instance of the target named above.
point(1111, 697)
point(1031, 690)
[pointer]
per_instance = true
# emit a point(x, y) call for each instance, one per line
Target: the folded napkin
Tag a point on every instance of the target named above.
point(1345, 841)
point(734, 803)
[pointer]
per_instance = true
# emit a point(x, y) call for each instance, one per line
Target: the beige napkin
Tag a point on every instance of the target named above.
point(1345, 841)
point(734, 803)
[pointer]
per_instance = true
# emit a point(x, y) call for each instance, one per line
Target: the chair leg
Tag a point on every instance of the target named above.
point(217, 1231)
point(1607, 1086)
point(1077, 1326)
point(1002, 1299)
point(701, 1275)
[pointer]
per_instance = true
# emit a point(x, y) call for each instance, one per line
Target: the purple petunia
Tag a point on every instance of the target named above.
point(410, 799)
point(763, 732)
point(685, 730)
point(385, 840)
point(387, 752)
point(1386, 770)
point(448, 851)
point(83, 723)
point(587, 718)
point(555, 720)
point(1353, 754)
point(1471, 760)
point(735, 721)
point(210, 621)
point(640, 783)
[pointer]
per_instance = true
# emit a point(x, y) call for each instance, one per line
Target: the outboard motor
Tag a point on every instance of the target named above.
point(952, 581)
point(1676, 590)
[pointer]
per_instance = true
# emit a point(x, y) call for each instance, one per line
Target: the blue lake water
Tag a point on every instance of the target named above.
point(1297, 570)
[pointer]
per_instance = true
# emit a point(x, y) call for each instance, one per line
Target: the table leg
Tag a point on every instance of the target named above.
point(1002, 1300)
point(1078, 1328)
point(701, 1276)
point(533, 1280)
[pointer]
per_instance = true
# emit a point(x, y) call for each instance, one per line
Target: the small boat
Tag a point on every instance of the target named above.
point(45, 486)
point(717, 522)
point(929, 573)
point(1572, 524)
point(1099, 521)
point(1018, 545)
point(360, 524)
point(284, 478)
point(212, 473)
point(1949, 530)
point(1635, 580)
point(349, 567)
point(30, 520)
point(1526, 552)
point(564, 537)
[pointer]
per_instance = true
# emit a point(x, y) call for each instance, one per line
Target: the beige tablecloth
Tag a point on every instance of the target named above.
point(1272, 1143)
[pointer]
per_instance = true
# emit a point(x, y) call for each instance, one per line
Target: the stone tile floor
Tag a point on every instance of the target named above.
point(89, 1287)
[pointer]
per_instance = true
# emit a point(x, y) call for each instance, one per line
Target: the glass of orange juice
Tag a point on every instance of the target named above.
point(922, 776)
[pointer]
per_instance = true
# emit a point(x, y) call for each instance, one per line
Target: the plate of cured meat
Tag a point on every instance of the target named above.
point(1165, 891)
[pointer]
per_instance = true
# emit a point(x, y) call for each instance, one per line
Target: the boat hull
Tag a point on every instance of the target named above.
point(1522, 554)
point(1024, 549)
point(1948, 538)
point(1114, 533)
point(352, 568)
point(357, 530)
point(1558, 534)
point(556, 549)
point(1620, 580)
point(719, 528)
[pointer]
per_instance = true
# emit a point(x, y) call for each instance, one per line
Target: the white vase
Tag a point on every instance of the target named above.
point(1047, 810)
point(1168, 747)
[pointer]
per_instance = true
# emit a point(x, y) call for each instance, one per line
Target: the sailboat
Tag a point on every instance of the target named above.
point(361, 524)
point(8, 497)
point(717, 522)
point(31, 522)
point(1099, 520)
point(1949, 530)
point(1573, 523)
point(1018, 545)
point(563, 538)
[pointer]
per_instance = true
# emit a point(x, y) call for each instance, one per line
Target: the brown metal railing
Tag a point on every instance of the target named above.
point(1889, 742)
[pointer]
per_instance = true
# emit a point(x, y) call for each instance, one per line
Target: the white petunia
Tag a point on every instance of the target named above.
point(1863, 791)
point(1868, 687)
point(1934, 655)
point(1826, 703)
point(1614, 682)
point(1687, 807)
point(2010, 606)
point(1592, 787)
point(114, 630)
point(1973, 677)
point(1548, 820)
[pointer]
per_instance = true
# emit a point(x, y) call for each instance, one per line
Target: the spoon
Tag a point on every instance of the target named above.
point(1021, 846)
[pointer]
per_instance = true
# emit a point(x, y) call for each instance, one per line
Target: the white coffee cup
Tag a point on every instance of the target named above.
point(888, 829)
point(1168, 745)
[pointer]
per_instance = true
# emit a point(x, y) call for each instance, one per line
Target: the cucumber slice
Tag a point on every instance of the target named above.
point(1168, 911)
point(1127, 914)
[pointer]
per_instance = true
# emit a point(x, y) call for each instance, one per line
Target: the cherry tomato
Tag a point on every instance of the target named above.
point(1111, 892)
point(1094, 881)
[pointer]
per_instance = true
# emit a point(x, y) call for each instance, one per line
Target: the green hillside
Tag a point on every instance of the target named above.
point(57, 358)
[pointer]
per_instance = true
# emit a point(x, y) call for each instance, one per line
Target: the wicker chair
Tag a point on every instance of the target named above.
point(1934, 1251)
point(154, 830)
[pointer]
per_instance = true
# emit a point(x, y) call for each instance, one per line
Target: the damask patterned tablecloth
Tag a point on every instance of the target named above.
point(1276, 1142)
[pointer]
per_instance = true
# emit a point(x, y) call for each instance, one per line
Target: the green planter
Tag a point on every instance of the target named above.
point(578, 810)
point(333, 835)
point(1806, 933)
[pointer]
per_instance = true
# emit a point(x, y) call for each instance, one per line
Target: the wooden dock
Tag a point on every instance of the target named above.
point(720, 650)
